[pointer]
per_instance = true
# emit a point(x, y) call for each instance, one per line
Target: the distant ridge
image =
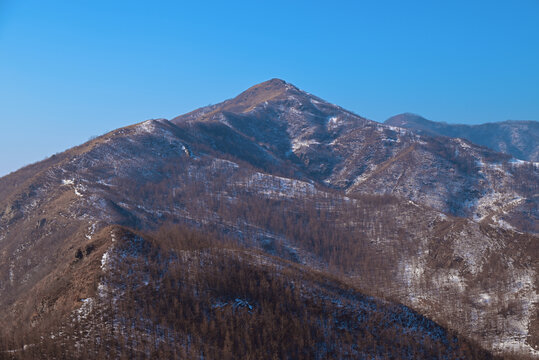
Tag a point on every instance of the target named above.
point(519, 138)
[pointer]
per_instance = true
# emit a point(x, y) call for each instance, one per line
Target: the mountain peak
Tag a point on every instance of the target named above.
point(273, 82)
point(273, 89)
point(406, 118)
point(260, 93)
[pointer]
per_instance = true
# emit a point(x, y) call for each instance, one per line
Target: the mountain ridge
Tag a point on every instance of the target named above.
point(519, 138)
point(437, 224)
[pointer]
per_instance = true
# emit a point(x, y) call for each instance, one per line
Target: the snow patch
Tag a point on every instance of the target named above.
point(298, 144)
point(484, 298)
point(91, 231)
point(76, 188)
point(85, 309)
point(276, 186)
point(334, 120)
point(454, 279)
point(399, 130)
point(222, 163)
point(365, 175)
point(442, 216)
point(147, 126)
point(493, 202)
point(462, 144)
point(517, 346)
point(518, 162)
point(101, 182)
point(11, 273)
point(412, 271)
point(503, 224)
point(105, 260)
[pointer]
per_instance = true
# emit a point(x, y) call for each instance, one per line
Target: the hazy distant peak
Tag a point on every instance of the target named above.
point(405, 119)
point(518, 138)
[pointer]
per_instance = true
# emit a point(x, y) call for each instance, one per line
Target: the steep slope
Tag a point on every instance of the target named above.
point(517, 138)
point(282, 121)
point(183, 294)
point(304, 180)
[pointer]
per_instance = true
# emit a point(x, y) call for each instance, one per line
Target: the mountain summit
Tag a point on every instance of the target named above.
point(254, 96)
point(258, 94)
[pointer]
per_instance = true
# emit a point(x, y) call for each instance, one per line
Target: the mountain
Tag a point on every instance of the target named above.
point(278, 128)
point(517, 138)
point(442, 226)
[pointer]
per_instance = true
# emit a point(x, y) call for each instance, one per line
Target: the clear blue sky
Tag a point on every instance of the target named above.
point(72, 69)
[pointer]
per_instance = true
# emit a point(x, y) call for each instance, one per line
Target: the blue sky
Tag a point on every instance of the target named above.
point(73, 69)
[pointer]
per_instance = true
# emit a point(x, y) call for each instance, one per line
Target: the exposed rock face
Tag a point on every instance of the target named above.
point(439, 224)
point(517, 138)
